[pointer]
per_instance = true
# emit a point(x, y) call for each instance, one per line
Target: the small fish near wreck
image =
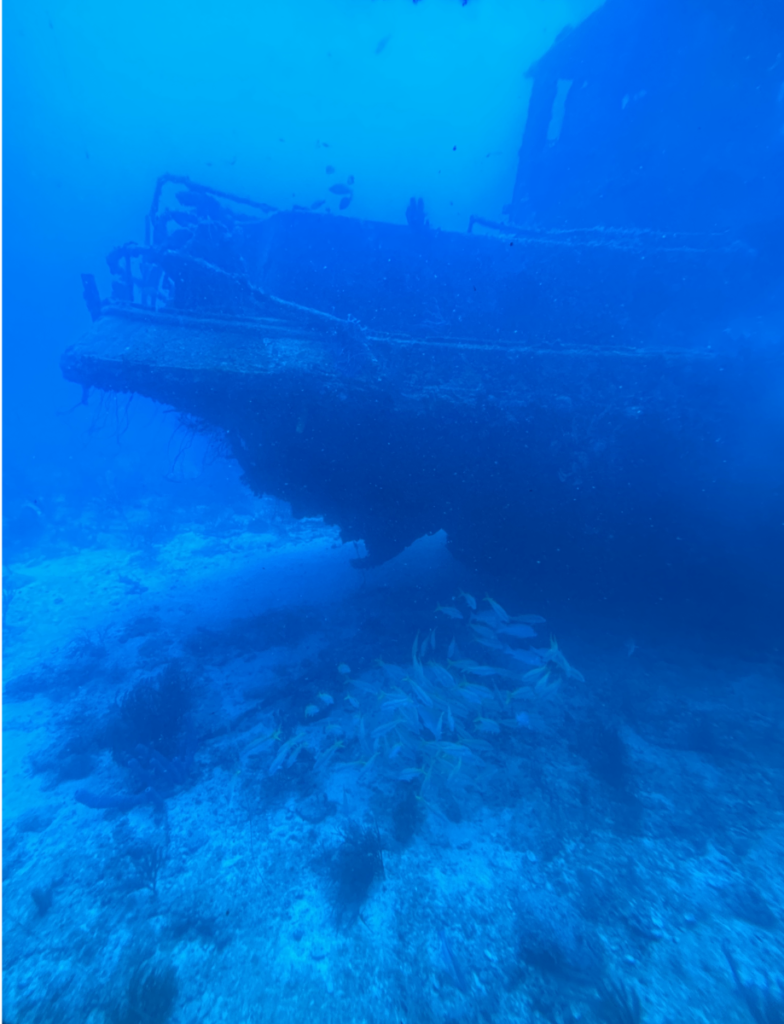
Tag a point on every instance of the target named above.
point(451, 613)
point(435, 721)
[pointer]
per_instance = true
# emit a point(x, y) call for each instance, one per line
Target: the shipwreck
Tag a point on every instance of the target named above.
point(571, 390)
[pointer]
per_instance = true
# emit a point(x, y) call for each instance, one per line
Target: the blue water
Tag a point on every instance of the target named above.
point(318, 731)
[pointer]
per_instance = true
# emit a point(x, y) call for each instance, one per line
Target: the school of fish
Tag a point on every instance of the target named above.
point(433, 722)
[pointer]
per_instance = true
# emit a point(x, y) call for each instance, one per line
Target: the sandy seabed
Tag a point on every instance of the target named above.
point(618, 858)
